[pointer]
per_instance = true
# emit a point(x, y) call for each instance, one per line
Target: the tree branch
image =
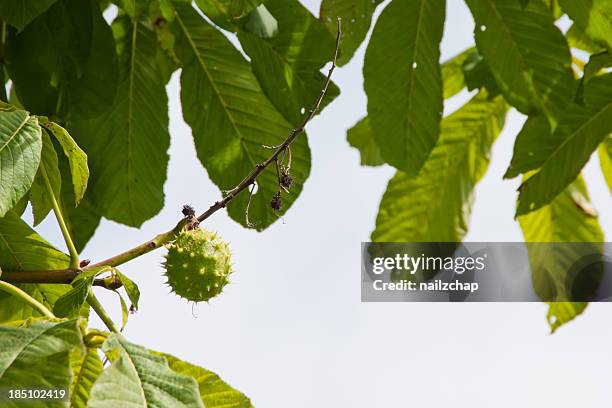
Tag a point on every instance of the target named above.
point(67, 275)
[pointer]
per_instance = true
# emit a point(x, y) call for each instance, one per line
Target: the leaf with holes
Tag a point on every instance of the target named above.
point(533, 78)
point(403, 82)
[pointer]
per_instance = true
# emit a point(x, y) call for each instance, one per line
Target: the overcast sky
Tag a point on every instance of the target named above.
point(290, 330)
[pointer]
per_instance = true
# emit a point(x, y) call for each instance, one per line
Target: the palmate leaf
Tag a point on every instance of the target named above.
point(576, 137)
point(231, 119)
point(356, 18)
point(19, 13)
point(139, 378)
point(403, 81)
point(127, 146)
point(568, 218)
point(435, 206)
point(86, 368)
point(288, 65)
point(215, 393)
point(20, 151)
point(64, 61)
point(37, 356)
point(48, 172)
point(593, 17)
point(21, 248)
point(605, 160)
point(527, 54)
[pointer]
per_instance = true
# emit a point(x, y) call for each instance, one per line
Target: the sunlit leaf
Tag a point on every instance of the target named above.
point(435, 206)
point(577, 136)
point(527, 54)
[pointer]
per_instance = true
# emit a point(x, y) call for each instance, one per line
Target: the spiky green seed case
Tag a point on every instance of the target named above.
point(198, 265)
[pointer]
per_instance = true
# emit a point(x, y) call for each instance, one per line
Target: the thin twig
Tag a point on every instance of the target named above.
point(168, 236)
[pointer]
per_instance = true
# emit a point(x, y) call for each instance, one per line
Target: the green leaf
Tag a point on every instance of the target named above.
point(83, 220)
point(21, 248)
point(225, 12)
point(20, 151)
point(478, 75)
point(64, 62)
point(594, 17)
point(356, 18)
point(37, 356)
point(533, 142)
point(288, 65)
point(69, 304)
point(527, 54)
point(435, 206)
point(261, 23)
point(130, 288)
point(576, 38)
point(452, 73)
point(403, 81)
point(578, 134)
point(48, 172)
point(360, 137)
point(86, 368)
point(215, 393)
point(560, 313)
point(231, 119)
point(19, 13)
point(76, 158)
point(568, 218)
point(605, 160)
point(127, 146)
point(138, 378)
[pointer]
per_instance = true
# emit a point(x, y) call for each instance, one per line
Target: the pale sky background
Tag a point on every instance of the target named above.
point(291, 331)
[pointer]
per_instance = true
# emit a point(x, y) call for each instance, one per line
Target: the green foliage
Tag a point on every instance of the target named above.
point(214, 392)
point(140, 379)
point(594, 17)
point(435, 206)
point(569, 218)
point(577, 136)
point(361, 137)
point(19, 13)
point(86, 136)
point(20, 151)
point(86, 368)
point(21, 248)
point(532, 78)
point(403, 81)
point(231, 119)
point(38, 356)
point(129, 142)
point(356, 18)
point(605, 159)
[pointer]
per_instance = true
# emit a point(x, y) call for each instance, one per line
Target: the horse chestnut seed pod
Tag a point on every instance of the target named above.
point(198, 265)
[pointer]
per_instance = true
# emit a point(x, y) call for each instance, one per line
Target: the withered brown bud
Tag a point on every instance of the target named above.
point(277, 202)
point(286, 180)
